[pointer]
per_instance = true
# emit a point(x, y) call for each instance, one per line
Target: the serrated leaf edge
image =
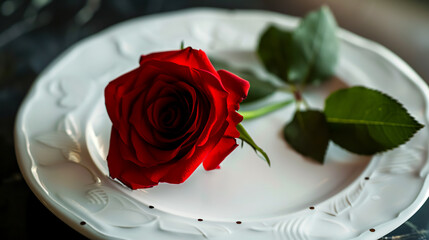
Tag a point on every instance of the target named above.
point(417, 128)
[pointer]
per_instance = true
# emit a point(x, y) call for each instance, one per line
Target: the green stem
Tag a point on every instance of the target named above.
point(286, 89)
point(264, 110)
point(298, 97)
point(306, 105)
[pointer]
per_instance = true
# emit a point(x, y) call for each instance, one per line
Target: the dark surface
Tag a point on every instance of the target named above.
point(33, 33)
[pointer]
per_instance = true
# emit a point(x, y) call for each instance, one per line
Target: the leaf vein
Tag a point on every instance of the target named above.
point(370, 122)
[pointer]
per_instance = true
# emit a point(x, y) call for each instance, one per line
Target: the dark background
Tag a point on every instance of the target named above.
point(33, 33)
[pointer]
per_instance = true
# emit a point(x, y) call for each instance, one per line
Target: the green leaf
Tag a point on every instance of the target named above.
point(308, 134)
point(244, 135)
point(219, 64)
point(314, 48)
point(274, 50)
point(366, 121)
point(259, 88)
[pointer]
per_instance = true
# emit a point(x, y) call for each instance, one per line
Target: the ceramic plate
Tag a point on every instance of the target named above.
point(62, 134)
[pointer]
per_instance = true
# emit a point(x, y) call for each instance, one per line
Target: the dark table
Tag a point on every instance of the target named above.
point(33, 33)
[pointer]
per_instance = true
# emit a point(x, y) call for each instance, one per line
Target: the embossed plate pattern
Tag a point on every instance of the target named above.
point(62, 134)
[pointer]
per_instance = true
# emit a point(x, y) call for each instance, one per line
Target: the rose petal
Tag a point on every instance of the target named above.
point(223, 148)
point(120, 96)
point(125, 171)
point(187, 57)
point(149, 155)
point(180, 170)
point(154, 146)
point(236, 87)
point(216, 98)
point(114, 92)
point(138, 120)
point(147, 123)
point(209, 86)
point(234, 118)
point(140, 110)
point(114, 159)
point(165, 114)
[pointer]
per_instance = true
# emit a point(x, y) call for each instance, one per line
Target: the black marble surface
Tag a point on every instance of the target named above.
point(35, 32)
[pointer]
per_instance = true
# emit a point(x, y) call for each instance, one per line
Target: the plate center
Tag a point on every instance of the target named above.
point(245, 187)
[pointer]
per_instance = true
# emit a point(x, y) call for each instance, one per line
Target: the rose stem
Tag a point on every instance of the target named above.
point(264, 110)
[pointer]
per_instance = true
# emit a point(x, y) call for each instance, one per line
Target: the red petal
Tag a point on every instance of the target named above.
point(238, 89)
point(223, 148)
point(186, 57)
point(180, 170)
point(125, 171)
point(150, 155)
point(217, 97)
point(115, 90)
point(236, 86)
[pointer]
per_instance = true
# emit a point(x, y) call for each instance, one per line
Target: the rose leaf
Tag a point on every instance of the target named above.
point(274, 51)
point(314, 48)
point(366, 121)
point(244, 135)
point(308, 134)
point(259, 88)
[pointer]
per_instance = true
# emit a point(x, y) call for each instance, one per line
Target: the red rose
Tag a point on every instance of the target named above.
point(169, 115)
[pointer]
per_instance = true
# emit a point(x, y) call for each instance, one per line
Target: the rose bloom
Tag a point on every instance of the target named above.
point(169, 115)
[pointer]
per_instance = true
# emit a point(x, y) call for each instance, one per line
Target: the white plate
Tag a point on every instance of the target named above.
point(62, 134)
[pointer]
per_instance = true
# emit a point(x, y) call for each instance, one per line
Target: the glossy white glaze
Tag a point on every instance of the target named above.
point(62, 134)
